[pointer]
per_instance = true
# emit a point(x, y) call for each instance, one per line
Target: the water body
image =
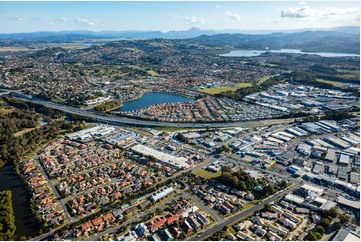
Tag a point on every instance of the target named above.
point(250, 53)
point(26, 224)
point(152, 98)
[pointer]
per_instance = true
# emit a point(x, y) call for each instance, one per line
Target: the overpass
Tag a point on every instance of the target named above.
point(117, 120)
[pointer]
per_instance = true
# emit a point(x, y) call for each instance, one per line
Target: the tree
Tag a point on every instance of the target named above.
point(333, 212)
point(311, 236)
point(320, 229)
point(318, 235)
point(268, 207)
point(226, 169)
point(325, 222)
point(343, 219)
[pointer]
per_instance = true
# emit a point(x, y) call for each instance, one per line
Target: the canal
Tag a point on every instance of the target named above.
point(152, 98)
point(26, 224)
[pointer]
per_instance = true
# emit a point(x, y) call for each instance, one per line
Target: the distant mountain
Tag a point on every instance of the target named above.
point(309, 41)
point(78, 35)
point(340, 39)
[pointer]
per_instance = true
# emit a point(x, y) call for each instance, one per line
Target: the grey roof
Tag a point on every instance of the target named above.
point(353, 204)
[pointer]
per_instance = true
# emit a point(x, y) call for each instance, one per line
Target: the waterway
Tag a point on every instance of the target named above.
point(250, 53)
point(152, 98)
point(26, 224)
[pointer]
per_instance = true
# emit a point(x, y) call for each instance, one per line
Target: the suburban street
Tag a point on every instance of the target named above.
point(244, 214)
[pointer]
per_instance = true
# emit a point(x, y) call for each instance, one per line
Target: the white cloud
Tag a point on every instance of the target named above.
point(218, 6)
point(190, 20)
point(302, 3)
point(307, 12)
point(234, 16)
point(77, 21)
point(194, 20)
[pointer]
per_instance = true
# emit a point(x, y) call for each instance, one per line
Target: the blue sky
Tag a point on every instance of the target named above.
point(170, 15)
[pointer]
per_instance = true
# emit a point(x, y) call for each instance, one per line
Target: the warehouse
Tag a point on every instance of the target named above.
point(179, 162)
point(337, 142)
point(331, 126)
point(331, 155)
point(344, 159)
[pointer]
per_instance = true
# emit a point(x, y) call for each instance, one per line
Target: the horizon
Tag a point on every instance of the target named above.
point(217, 31)
point(28, 17)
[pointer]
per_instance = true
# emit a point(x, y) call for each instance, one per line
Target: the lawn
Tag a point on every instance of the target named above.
point(244, 84)
point(330, 82)
point(216, 90)
point(152, 73)
point(207, 174)
point(247, 206)
point(263, 79)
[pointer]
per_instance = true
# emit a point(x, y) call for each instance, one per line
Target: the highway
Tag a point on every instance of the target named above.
point(117, 120)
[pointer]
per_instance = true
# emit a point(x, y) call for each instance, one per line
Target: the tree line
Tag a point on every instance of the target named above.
point(7, 218)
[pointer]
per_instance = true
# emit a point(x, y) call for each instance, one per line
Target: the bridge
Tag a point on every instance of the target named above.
point(117, 120)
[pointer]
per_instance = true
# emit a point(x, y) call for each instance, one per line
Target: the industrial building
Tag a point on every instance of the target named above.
point(179, 162)
point(161, 193)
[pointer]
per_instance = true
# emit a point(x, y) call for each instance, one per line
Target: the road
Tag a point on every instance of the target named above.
point(242, 215)
point(213, 213)
point(133, 219)
point(116, 120)
point(69, 218)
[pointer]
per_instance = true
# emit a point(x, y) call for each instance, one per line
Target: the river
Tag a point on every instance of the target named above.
point(26, 224)
point(250, 53)
point(152, 98)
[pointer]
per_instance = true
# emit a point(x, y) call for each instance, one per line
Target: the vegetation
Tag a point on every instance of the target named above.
point(245, 182)
point(239, 94)
point(216, 90)
point(7, 218)
point(108, 106)
point(12, 148)
point(244, 84)
point(207, 174)
point(239, 179)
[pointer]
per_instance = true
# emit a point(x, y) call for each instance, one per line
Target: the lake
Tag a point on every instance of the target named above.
point(250, 53)
point(152, 98)
point(26, 224)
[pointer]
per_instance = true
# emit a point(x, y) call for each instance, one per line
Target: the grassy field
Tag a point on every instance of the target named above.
point(263, 79)
point(244, 84)
point(207, 174)
point(216, 90)
point(152, 73)
point(330, 82)
point(247, 206)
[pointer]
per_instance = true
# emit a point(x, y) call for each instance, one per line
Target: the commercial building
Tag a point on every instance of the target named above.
point(179, 162)
point(163, 192)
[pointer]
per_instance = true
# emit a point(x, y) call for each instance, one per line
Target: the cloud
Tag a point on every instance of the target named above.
point(298, 12)
point(190, 20)
point(74, 21)
point(218, 6)
point(194, 20)
point(302, 3)
point(78, 21)
point(234, 16)
point(307, 12)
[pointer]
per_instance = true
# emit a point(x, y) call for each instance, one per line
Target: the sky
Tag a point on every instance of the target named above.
point(166, 16)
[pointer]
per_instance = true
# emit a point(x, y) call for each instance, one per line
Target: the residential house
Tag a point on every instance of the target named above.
point(244, 225)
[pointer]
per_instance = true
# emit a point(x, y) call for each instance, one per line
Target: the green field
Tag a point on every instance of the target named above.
point(263, 79)
point(244, 84)
point(330, 82)
point(207, 174)
point(152, 73)
point(216, 90)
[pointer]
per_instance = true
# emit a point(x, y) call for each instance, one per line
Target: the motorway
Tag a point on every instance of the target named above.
point(116, 120)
